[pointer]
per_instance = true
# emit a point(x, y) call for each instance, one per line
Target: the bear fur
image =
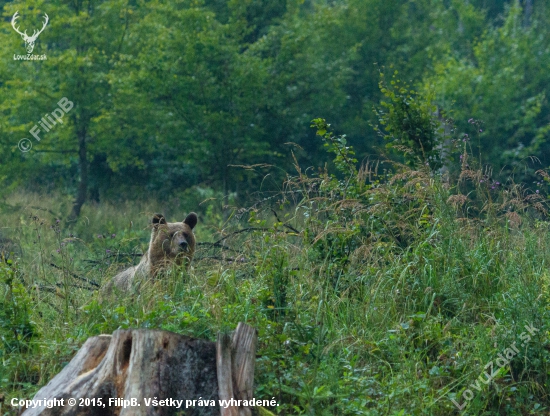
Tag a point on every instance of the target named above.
point(171, 243)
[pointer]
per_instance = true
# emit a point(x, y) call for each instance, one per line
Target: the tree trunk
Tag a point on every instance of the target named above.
point(527, 12)
point(120, 374)
point(83, 167)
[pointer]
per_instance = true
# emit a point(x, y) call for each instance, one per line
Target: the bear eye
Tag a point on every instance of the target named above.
point(185, 235)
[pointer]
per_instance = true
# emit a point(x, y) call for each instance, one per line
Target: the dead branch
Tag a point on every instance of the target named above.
point(90, 282)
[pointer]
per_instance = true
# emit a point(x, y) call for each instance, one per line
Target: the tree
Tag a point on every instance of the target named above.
point(505, 85)
point(82, 42)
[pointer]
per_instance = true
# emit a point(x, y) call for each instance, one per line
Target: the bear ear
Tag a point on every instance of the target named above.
point(191, 220)
point(158, 219)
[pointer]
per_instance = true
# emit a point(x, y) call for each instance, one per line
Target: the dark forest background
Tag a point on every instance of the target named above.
point(173, 96)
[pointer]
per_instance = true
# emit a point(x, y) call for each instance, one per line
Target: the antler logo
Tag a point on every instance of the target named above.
point(29, 40)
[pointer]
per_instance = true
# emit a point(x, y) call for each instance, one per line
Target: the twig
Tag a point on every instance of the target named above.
point(206, 243)
point(277, 195)
point(77, 286)
point(221, 259)
point(244, 230)
point(290, 227)
point(90, 282)
point(125, 255)
point(113, 255)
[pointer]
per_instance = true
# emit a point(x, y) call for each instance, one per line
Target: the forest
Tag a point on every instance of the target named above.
point(370, 176)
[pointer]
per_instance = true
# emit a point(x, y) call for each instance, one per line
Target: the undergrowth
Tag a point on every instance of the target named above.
point(377, 289)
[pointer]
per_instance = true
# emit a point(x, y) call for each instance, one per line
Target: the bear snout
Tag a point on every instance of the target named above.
point(181, 243)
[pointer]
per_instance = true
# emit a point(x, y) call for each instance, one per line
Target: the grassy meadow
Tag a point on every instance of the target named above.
point(375, 291)
point(403, 270)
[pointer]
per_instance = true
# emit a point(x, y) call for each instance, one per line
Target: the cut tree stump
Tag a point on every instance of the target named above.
point(142, 365)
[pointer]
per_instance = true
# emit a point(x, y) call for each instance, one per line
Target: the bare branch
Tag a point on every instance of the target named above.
point(90, 282)
point(290, 227)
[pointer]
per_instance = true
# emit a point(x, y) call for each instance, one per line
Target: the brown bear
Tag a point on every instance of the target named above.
point(171, 243)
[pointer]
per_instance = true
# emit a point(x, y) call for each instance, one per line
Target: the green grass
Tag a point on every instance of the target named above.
point(389, 300)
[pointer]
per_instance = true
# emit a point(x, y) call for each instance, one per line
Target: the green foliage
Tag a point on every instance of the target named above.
point(19, 333)
point(344, 161)
point(408, 124)
point(372, 293)
point(16, 328)
point(171, 95)
point(501, 83)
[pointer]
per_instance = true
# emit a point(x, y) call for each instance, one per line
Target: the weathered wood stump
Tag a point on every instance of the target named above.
point(235, 363)
point(124, 374)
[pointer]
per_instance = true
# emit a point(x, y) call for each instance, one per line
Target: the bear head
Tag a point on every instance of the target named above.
point(171, 242)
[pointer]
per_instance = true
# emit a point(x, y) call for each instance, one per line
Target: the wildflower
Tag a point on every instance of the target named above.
point(113, 235)
point(99, 236)
point(480, 130)
point(57, 221)
point(57, 250)
point(497, 183)
point(471, 121)
point(537, 191)
point(481, 181)
point(107, 251)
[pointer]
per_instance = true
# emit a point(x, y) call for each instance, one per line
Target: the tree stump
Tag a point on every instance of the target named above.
point(121, 375)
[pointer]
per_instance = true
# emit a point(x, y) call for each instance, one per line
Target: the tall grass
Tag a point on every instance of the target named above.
point(375, 291)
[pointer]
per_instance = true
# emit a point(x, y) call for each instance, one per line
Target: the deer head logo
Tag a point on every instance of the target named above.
point(29, 40)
